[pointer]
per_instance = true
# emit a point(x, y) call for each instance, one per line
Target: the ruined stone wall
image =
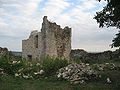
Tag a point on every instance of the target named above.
point(57, 40)
point(63, 42)
point(52, 41)
point(49, 43)
point(29, 48)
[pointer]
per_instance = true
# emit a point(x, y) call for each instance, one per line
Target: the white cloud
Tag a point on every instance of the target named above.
point(19, 17)
point(2, 23)
point(21, 21)
point(54, 8)
point(88, 4)
point(85, 31)
point(29, 7)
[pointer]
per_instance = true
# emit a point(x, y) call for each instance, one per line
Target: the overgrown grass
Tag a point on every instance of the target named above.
point(50, 66)
point(23, 68)
point(12, 83)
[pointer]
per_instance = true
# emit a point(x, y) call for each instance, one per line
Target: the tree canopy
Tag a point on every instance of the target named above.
point(116, 41)
point(110, 17)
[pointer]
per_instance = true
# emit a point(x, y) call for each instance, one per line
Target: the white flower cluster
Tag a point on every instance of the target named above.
point(41, 72)
point(108, 80)
point(20, 73)
point(15, 62)
point(2, 71)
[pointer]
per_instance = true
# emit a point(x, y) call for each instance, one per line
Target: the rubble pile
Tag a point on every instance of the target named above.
point(77, 73)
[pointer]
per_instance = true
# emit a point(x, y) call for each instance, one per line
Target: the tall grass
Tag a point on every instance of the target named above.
point(51, 65)
point(23, 67)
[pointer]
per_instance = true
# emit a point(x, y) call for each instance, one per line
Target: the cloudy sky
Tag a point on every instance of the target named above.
point(19, 17)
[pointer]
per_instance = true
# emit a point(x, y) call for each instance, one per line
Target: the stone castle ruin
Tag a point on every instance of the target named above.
point(52, 41)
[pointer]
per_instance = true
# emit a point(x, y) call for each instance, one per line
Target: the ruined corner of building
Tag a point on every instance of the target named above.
point(51, 41)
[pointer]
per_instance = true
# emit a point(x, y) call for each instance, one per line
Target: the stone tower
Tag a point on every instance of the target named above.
point(52, 41)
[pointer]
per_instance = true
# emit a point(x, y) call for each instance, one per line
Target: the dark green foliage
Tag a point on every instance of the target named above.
point(116, 40)
point(8, 65)
point(11, 66)
point(51, 65)
point(25, 68)
point(12, 83)
point(77, 60)
point(91, 61)
point(113, 75)
point(110, 15)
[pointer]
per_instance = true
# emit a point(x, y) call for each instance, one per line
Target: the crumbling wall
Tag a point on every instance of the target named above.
point(48, 39)
point(52, 41)
point(63, 42)
point(57, 41)
point(29, 49)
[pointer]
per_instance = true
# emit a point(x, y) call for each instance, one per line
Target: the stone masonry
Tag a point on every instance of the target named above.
point(52, 41)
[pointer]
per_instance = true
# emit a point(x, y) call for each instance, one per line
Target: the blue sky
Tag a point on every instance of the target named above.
point(19, 17)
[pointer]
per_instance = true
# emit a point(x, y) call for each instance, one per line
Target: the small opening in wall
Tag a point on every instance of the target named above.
point(29, 57)
point(36, 41)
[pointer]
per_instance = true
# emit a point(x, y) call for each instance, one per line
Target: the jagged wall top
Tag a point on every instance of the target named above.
point(55, 28)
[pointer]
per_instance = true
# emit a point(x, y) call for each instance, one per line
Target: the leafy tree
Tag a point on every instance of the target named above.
point(116, 40)
point(110, 17)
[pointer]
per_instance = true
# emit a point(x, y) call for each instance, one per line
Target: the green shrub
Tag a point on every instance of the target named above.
point(19, 67)
point(10, 66)
point(78, 61)
point(29, 69)
point(51, 65)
